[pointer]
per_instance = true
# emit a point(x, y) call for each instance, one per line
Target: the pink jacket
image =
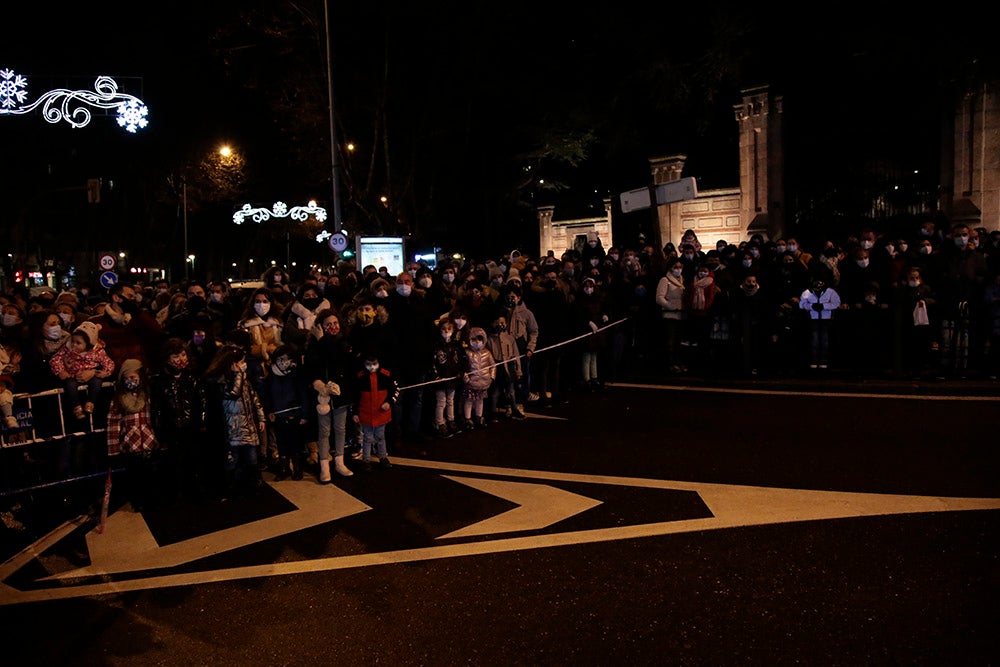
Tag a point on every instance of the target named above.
point(66, 360)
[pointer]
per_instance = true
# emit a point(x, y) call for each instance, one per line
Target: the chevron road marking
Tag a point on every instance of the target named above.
point(731, 505)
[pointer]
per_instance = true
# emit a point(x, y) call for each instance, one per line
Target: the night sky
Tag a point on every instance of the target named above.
point(466, 86)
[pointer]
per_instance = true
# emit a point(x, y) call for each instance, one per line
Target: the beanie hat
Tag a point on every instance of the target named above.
point(379, 283)
point(128, 366)
point(89, 331)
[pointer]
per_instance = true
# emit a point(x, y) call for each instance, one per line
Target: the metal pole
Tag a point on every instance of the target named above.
point(335, 168)
point(184, 196)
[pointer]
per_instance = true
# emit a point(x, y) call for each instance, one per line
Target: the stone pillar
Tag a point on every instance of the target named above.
point(545, 214)
point(761, 162)
point(977, 158)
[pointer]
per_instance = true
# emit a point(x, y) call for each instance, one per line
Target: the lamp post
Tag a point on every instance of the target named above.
point(184, 199)
point(334, 166)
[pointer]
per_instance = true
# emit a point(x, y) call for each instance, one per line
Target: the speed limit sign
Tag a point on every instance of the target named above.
point(338, 242)
point(107, 261)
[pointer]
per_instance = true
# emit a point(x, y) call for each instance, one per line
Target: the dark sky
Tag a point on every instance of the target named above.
point(651, 80)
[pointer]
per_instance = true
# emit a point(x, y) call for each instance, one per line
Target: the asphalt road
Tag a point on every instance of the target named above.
point(757, 524)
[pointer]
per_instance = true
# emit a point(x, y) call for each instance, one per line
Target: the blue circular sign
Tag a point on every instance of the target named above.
point(338, 242)
point(109, 279)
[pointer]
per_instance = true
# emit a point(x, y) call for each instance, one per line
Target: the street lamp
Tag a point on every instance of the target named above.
point(191, 259)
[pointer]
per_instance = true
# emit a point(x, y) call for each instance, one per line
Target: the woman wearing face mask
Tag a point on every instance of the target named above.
point(302, 314)
point(328, 369)
point(45, 336)
point(13, 329)
point(263, 322)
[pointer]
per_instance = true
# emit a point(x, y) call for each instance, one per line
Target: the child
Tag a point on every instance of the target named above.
point(284, 400)
point(503, 347)
point(376, 393)
point(479, 374)
point(130, 434)
point(178, 415)
point(448, 356)
point(82, 360)
point(240, 416)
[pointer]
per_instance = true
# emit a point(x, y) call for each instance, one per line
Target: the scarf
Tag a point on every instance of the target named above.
point(132, 402)
point(698, 295)
point(117, 315)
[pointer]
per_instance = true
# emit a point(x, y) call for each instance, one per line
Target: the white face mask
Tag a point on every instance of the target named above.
point(262, 309)
point(459, 323)
point(588, 290)
point(425, 281)
point(867, 245)
point(66, 318)
point(216, 297)
point(371, 368)
point(403, 289)
point(448, 277)
point(53, 333)
point(476, 345)
point(11, 320)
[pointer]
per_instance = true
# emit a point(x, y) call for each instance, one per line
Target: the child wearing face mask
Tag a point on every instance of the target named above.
point(480, 371)
point(178, 415)
point(131, 438)
point(376, 391)
point(503, 347)
point(448, 356)
point(285, 403)
point(82, 360)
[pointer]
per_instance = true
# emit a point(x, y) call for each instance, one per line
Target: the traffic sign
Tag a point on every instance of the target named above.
point(338, 242)
point(107, 261)
point(109, 279)
point(664, 193)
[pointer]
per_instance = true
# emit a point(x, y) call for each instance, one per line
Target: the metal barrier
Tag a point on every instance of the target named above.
point(81, 449)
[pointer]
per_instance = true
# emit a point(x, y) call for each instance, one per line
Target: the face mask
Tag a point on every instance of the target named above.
point(750, 290)
point(592, 244)
point(702, 275)
point(867, 245)
point(924, 231)
point(676, 272)
point(262, 309)
point(614, 256)
point(459, 323)
point(588, 290)
point(446, 336)
point(412, 272)
point(424, 282)
point(870, 299)
point(129, 306)
point(500, 328)
point(180, 364)
point(863, 263)
point(689, 255)
point(903, 247)
point(780, 249)
point(404, 289)
point(84, 291)
point(755, 253)
point(381, 294)
point(448, 277)
point(925, 250)
point(384, 274)
point(53, 333)
point(331, 329)
point(366, 316)
point(66, 318)
point(11, 320)
point(215, 297)
point(284, 365)
point(162, 290)
point(312, 304)
point(476, 345)
point(511, 302)
point(748, 263)
point(792, 247)
point(277, 279)
point(371, 368)
point(131, 384)
point(961, 241)
point(198, 338)
point(321, 285)
point(913, 283)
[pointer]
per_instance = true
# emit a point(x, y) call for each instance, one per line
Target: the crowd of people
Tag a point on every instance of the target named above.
point(210, 384)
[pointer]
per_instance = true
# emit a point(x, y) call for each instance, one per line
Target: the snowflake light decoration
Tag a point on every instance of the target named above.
point(280, 210)
point(71, 105)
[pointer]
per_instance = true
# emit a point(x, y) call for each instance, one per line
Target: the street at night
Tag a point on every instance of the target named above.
point(758, 523)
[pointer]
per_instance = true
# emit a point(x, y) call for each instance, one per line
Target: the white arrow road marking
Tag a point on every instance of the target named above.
point(128, 545)
point(733, 506)
point(541, 505)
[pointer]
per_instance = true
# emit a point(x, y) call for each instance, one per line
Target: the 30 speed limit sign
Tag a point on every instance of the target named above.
point(107, 261)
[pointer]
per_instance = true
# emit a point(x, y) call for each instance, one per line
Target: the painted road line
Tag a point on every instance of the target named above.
point(824, 394)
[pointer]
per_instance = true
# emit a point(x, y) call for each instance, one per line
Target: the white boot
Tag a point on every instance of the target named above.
point(338, 464)
point(324, 471)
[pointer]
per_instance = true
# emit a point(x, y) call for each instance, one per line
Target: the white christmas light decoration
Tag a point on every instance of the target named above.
point(281, 210)
point(71, 105)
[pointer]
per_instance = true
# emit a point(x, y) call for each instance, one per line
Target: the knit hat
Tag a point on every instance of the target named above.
point(128, 366)
point(68, 297)
point(89, 331)
point(380, 283)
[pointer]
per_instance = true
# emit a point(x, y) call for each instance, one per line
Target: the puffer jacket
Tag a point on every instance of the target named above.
point(480, 369)
point(242, 411)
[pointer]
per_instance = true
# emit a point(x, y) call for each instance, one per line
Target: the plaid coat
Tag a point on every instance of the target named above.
point(130, 432)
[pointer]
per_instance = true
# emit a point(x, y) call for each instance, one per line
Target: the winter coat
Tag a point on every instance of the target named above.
point(670, 297)
point(285, 396)
point(242, 412)
point(178, 404)
point(96, 358)
point(828, 298)
point(264, 333)
point(329, 359)
point(372, 390)
point(130, 432)
point(479, 369)
point(523, 326)
point(503, 347)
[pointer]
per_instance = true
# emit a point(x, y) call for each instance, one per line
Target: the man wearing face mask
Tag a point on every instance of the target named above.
point(959, 275)
point(412, 328)
point(127, 330)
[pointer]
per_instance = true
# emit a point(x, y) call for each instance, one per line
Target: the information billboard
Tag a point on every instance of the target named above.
point(382, 251)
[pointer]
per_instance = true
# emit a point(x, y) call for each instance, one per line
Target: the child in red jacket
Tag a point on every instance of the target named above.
point(376, 392)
